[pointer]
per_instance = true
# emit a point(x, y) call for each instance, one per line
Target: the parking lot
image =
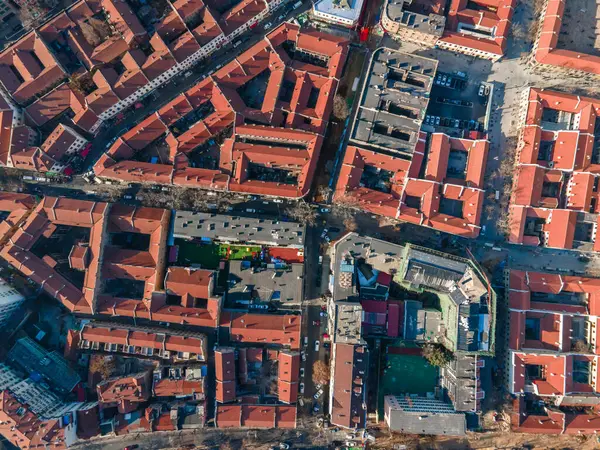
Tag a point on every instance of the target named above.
point(457, 104)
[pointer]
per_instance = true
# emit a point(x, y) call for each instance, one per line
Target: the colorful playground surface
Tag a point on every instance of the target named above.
point(209, 255)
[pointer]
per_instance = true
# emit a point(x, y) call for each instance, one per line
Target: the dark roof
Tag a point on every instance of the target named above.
point(32, 358)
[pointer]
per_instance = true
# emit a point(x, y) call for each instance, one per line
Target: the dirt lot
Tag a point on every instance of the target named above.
point(498, 440)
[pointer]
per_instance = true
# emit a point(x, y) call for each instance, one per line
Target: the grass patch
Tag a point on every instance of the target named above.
point(207, 255)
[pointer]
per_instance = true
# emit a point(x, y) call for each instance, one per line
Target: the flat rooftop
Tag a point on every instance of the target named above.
point(393, 101)
point(345, 9)
point(220, 227)
point(280, 283)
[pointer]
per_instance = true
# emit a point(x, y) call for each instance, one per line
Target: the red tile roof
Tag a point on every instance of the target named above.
point(295, 151)
point(283, 330)
point(560, 160)
point(256, 416)
point(546, 49)
point(493, 16)
point(125, 393)
point(24, 429)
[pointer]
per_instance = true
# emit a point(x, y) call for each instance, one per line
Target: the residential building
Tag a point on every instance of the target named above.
point(10, 301)
point(238, 229)
point(49, 366)
point(552, 51)
point(255, 416)
point(278, 330)
point(467, 302)
point(271, 115)
point(125, 393)
point(280, 284)
point(155, 343)
point(6, 11)
point(180, 382)
point(340, 12)
point(384, 169)
point(348, 390)
point(418, 21)
point(552, 362)
point(478, 28)
point(225, 374)
point(395, 93)
point(554, 202)
point(288, 375)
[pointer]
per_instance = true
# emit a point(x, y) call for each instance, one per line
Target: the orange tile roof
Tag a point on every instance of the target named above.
point(24, 429)
point(495, 16)
point(256, 416)
point(125, 393)
point(221, 90)
point(565, 161)
point(281, 330)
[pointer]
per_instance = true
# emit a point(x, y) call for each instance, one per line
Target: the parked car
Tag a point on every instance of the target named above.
point(317, 344)
point(437, 120)
point(481, 92)
point(302, 372)
point(323, 314)
point(303, 356)
point(318, 394)
point(302, 388)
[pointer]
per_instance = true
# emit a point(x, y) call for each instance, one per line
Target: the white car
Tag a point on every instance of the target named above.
point(303, 356)
point(301, 372)
point(317, 344)
point(268, 25)
point(323, 314)
point(302, 388)
point(318, 394)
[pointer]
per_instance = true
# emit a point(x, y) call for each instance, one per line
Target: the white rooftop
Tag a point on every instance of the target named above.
point(346, 9)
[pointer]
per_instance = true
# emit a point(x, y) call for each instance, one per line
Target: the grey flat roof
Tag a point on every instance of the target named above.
point(337, 8)
point(461, 381)
point(400, 11)
point(32, 358)
point(265, 284)
point(421, 415)
point(348, 323)
point(382, 255)
point(190, 225)
point(393, 101)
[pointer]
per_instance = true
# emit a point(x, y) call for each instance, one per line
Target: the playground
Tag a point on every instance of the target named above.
point(405, 373)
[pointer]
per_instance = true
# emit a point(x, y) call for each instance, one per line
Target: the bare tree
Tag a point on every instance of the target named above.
point(90, 34)
point(350, 224)
point(340, 107)
point(320, 372)
point(302, 212)
point(437, 355)
point(344, 207)
point(101, 28)
point(102, 365)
